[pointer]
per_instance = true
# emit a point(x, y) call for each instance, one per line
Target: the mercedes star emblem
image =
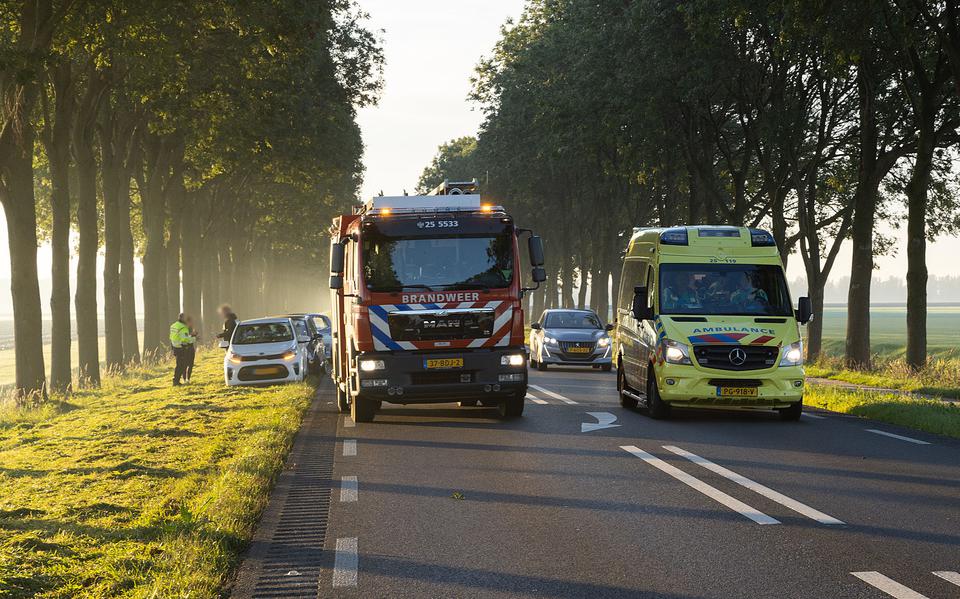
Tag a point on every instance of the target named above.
point(738, 356)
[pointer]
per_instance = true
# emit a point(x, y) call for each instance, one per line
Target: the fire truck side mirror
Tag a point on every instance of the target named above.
point(336, 281)
point(535, 246)
point(336, 266)
point(539, 275)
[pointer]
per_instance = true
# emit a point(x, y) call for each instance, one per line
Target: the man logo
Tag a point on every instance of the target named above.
point(737, 356)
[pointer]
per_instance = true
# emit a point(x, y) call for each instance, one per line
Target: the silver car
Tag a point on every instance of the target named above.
point(570, 338)
point(322, 322)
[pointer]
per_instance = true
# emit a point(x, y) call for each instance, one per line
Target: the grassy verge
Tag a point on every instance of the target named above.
point(927, 415)
point(139, 489)
point(941, 377)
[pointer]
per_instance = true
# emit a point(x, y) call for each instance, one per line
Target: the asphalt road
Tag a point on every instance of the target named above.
point(438, 501)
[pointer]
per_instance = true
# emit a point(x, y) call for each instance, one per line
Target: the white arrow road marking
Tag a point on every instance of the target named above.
point(349, 490)
point(536, 399)
point(951, 577)
point(549, 393)
point(604, 420)
point(349, 447)
point(893, 436)
point(345, 563)
point(888, 585)
point(767, 492)
point(695, 483)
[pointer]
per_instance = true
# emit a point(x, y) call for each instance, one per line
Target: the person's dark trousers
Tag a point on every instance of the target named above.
point(191, 351)
point(180, 369)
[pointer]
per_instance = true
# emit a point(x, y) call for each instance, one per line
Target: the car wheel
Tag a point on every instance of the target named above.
point(656, 407)
point(362, 409)
point(541, 366)
point(342, 403)
point(625, 401)
point(793, 412)
point(511, 407)
point(606, 367)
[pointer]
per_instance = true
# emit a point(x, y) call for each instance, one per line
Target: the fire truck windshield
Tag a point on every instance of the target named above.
point(394, 262)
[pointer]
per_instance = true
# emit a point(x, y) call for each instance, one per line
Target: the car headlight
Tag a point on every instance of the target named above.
point(675, 352)
point(289, 355)
point(371, 365)
point(511, 360)
point(234, 358)
point(792, 355)
point(603, 342)
point(549, 340)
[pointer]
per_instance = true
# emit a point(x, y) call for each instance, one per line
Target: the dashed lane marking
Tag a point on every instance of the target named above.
point(888, 585)
point(349, 490)
point(901, 437)
point(767, 492)
point(549, 393)
point(697, 484)
point(346, 562)
point(536, 399)
point(814, 416)
point(951, 577)
point(349, 447)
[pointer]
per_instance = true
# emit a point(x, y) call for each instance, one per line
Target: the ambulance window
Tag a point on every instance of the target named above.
point(633, 275)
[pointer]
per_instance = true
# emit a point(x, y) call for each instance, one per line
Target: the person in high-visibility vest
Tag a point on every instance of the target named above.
point(180, 340)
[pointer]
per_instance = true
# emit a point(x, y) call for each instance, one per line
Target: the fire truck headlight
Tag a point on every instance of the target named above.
point(371, 365)
point(512, 360)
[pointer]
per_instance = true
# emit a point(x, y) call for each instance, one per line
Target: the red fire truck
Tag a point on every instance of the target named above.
point(426, 298)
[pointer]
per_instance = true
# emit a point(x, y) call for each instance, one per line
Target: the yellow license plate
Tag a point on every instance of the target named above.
point(579, 350)
point(443, 363)
point(737, 392)
point(266, 370)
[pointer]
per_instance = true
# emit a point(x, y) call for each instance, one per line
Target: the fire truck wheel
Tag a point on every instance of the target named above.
point(468, 403)
point(512, 407)
point(342, 402)
point(362, 409)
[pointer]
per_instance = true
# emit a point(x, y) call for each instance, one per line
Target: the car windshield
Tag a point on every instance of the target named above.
point(394, 263)
point(572, 320)
point(724, 289)
point(264, 332)
point(303, 332)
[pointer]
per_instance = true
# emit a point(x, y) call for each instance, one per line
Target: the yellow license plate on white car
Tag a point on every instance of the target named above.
point(437, 363)
point(266, 370)
point(579, 350)
point(737, 392)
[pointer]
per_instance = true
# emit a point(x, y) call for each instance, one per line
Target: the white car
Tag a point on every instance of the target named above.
point(264, 350)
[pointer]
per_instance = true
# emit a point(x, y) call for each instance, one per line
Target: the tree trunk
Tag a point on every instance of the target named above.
point(582, 291)
point(190, 249)
point(85, 300)
point(154, 271)
point(128, 306)
point(114, 175)
point(917, 240)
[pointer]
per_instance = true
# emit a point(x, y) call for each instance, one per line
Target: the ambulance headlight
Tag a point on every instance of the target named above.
point(792, 355)
point(675, 352)
point(371, 365)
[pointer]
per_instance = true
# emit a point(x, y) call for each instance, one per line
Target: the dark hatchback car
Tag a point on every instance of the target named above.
point(309, 336)
point(570, 338)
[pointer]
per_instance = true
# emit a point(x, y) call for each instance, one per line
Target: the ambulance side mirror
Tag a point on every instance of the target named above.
point(336, 265)
point(640, 309)
point(804, 313)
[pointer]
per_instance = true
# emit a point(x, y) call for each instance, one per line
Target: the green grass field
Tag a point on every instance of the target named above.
point(139, 489)
point(888, 331)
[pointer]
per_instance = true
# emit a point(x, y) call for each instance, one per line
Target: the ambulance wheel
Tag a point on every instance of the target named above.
point(342, 403)
point(511, 407)
point(656, 407)
point(625, 401)
point(793, 412)
point(362, 409)
point(468, 403)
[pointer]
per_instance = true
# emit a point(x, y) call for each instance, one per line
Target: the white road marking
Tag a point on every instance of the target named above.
point(536, 399)
point(893, 436)
point(348, 422)
point(553, 395)
point(814, 416)
point(767, 492)
point(345, 563)
point(888, 585)
point(951, 577)
point(604, 420)
point(349, 447)
point(697, 484)
point(349, 491)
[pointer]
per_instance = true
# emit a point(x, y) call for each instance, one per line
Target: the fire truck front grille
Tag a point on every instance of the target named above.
point(438, 325)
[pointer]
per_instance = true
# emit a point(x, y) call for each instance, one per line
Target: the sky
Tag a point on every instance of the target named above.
point(431, 48)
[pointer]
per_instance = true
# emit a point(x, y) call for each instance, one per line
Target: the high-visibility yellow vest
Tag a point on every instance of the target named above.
point(180, 334)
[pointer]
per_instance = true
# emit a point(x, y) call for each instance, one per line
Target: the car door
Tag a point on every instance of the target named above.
point(647, 334)
point(628, 328)
point(536, 338)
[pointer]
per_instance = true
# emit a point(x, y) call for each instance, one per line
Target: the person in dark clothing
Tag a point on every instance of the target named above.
point(229, 322)
point(191, 351)
point(180, 337)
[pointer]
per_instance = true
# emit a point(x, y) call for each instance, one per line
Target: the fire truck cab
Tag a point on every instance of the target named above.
point(426, 297)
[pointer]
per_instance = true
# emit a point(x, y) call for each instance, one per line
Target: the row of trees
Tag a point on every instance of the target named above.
point(816, 120)
point(210, 140)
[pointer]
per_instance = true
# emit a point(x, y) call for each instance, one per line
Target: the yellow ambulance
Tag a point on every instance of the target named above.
point(705, 320)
